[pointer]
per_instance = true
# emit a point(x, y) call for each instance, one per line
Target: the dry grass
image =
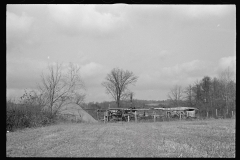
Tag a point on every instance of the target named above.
point(207, 138)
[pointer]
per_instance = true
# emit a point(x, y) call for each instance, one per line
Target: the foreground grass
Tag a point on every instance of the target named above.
point(207, 138)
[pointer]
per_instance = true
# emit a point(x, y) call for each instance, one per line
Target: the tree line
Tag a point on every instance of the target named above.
point(208, 94)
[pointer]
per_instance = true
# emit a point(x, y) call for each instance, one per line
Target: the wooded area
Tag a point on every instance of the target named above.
point(212, 96)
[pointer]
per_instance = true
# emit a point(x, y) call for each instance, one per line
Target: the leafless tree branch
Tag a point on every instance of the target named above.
point(58, 89)
point(117, 82)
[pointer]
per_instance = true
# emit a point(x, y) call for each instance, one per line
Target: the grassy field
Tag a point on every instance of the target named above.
point(206, 138)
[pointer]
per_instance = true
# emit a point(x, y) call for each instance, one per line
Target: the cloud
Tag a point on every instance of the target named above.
point(92, 69)
point(88, 71)
point(97, 94)
point(149, 13)
point(181, 74)
point(151, 81)
point(24, 64)
point(162, 55)
point(192, 68)
point(199, 11)
point(24, 72)
point(93, 74)
point(18, 28)
point(84, 18)
point(17, 23)
point(226, 62)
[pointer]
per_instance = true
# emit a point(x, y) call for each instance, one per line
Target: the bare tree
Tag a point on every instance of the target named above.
point(226, 77)
point(189, 95)
point(58, 89)
point(117, 82)
point(176, 95)
point(206, 86)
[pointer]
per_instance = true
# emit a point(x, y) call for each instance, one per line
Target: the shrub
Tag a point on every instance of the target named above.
point(21, 116)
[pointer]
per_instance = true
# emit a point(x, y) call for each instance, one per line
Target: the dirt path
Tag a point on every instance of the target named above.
point(161, 139)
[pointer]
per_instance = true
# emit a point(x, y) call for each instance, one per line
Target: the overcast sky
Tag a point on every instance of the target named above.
point(163, 45)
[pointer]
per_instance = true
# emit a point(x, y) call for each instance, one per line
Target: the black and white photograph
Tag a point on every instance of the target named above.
point(121, 80)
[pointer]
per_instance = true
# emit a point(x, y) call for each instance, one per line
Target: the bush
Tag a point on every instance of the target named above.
point(21, 116)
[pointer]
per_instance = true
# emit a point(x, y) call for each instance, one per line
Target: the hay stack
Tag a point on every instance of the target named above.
point(77, 112)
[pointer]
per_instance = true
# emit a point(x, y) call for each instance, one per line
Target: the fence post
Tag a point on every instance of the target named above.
point(168, 116)
point(104, 117)
point(135, 116)
point(128, 118)
point(97, 114)
point(154, 116)
point(107, 117)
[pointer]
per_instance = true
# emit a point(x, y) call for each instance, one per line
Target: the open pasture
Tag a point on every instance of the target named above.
point(205, 138)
